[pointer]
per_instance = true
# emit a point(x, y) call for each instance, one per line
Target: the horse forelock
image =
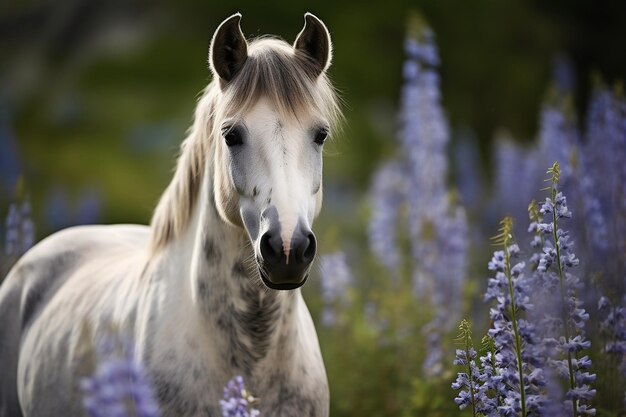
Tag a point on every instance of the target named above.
point(274, 71)
point(283, 76)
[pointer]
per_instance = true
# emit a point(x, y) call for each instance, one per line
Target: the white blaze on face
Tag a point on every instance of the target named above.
point(284, 167)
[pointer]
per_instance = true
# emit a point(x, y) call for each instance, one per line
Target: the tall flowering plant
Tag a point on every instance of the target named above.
point(563, 325)
point(535, 344)
point(517, 358)
point(436, 224)
point(472, 381)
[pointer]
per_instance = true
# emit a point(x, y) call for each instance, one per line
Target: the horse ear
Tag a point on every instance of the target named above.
point(314, 41)
point(229, 49)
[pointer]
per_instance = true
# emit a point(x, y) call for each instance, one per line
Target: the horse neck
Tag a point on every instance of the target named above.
point(225, 291)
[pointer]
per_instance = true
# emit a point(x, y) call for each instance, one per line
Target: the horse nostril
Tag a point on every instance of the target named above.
point(306, 252)
point(271, 248)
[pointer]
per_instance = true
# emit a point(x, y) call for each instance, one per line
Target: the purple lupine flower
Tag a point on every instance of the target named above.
point(437, 227)
point(20, 230)
point(425, 51)
point(470, 383)
point(596, 230)
point(12, 238)
point(613, 326)
point(27, 227)
point(491, 381)
point(466, 382)
point(119, 386)
point(89, 208)
point(387, 195)
point(558, 136)
point(562, 318)
point(449, 247)
point(10, 166)
point(424, 130)
point(603, 161)
point(517, 360)
point(336, 280)
point(237, 402)
point(467, 171)
point(605, 141)
point(516, 170)
point(58, 211)
point(563, 76)
point(560, 141)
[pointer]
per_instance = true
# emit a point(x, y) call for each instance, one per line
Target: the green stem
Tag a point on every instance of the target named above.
point(563, 299)
point(518, 342)
point(469, 373)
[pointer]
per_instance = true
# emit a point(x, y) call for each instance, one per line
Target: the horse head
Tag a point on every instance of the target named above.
point(273, 112)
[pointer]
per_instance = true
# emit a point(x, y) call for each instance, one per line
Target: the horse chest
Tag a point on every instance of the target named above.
point(195, 389)
point(254, 341)
point(196, 395)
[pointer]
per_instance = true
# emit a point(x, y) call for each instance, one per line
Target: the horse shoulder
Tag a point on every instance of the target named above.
point(42, 271)
point(39, 277)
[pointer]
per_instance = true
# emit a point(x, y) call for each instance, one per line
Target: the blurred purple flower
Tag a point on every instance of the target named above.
point(613, 327)
point(12, 238)
point(467, 171)
point(58, 211)
point(10, 167)
point(563, 76)
point(437, 227)
point(336, 280)
point(388, 193)
point(603, 161)
point(516, 175)
point(237, 402)
point(62, 212)
point(89, 208)
point(119, 387)
point(20, 230)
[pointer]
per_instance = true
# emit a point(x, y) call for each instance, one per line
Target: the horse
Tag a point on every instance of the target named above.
point(211, 288)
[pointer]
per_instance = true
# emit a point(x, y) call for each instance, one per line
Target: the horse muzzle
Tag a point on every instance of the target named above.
point(286, 271)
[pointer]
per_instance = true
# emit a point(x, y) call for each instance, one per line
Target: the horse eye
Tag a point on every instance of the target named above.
point(233, 137)
point(320, 136)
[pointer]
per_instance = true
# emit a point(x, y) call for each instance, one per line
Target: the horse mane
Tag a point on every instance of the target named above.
point(273, 70)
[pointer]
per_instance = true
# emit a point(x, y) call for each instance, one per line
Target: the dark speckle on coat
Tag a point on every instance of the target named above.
point(211, 251)
point(196, 373)
point(37, 294)
point(239, 270)
point(203, 290)
point(291, 402)
point(171, 397)
point(32, 301)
